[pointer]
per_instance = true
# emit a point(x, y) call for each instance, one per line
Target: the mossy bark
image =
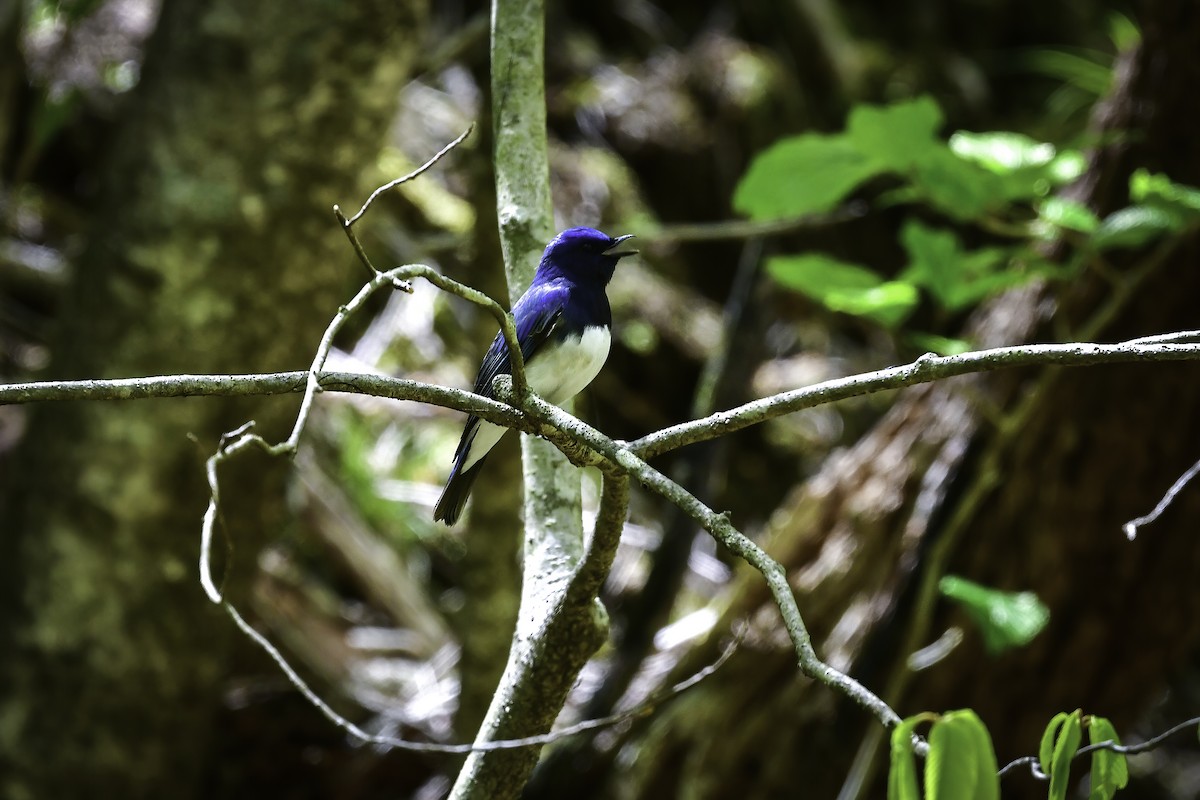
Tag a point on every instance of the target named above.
point(214, 250)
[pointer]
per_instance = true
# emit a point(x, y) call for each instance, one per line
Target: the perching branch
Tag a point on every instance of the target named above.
point(240, 439)
point(586, 445)
point(912, 374)
point(925, 369)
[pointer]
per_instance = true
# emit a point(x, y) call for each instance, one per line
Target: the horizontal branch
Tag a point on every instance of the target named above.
point(252, 384)
point(925, 369)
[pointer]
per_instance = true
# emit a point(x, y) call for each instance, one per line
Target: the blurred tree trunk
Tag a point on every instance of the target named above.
point(1038, 502)
point(491, 564)
point(213, 250)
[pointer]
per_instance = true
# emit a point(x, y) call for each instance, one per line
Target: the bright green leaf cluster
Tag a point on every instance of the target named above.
point(1001, 181)
point(1160, 207)
point(844, 287)
point(961, 762)
point(972, 174)
point(1006, 619)
point(806, 174)
point(960, 765)
point(1060, 743)
point(1110, 770)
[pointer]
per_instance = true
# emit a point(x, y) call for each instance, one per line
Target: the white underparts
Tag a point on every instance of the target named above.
point(556, 374)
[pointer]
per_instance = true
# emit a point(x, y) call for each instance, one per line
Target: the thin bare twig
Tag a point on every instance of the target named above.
point(641, 710)
point(1131, 527)
point(348, 224)
point(393, 184)
point(241, 438)
point(1123, 749)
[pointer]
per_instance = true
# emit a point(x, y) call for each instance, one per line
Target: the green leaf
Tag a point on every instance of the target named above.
point(1087, 69)
point(816, 274)
point(1065, 746)
point(933, 258)
point(897, 135)
point(961, 764)
point(848, 288)
point(1158, 190)
point(888, 303)
point(1064, 213)
point(955, 277)
point(1123, 32)
point(1025, 167)
point(1134, 226)
point(1006, 619)
point(943, 346)
point(959, 188)
point(1001, 152)
point(902, 776)
point(1046, 748)
point(1109, 770)
point(806, 174)
point(1068, 166)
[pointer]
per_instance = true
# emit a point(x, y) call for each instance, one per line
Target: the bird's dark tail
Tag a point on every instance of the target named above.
point(450, 505)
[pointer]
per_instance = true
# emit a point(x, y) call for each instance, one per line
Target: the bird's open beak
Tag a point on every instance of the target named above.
point(615, 248)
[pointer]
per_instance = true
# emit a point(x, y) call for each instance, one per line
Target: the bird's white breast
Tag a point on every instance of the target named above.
point(558, 373)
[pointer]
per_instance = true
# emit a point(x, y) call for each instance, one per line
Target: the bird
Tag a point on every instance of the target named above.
point(563, 326)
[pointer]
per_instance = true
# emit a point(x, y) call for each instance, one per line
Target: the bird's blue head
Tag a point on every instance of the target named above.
point(584, 254)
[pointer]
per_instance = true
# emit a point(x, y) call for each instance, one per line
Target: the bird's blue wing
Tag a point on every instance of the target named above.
point(536, 314)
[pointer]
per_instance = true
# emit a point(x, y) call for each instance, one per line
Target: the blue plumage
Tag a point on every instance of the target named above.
point(562, 322)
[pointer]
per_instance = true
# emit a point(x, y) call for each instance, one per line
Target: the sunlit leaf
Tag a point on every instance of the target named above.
point(902, 775)
point(934, 257)
point(1006, 619)
point(1068, 166)
point(955, 277)
point(1135, 226)
point(897, 135)
point(1000, 151)
point(848, 288)
point(1109, 770)
point(1066, 744)
point(1026, 168)
point(805, 174)
point(1049, 737)
point(961, 764)
point(1069, 214)
point(942, 345)
point(888, 303)
point(816, 274)
point(957, 187)
point(1156, 189)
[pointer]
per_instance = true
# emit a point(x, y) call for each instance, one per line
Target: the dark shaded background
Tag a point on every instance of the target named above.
point(165, 181)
